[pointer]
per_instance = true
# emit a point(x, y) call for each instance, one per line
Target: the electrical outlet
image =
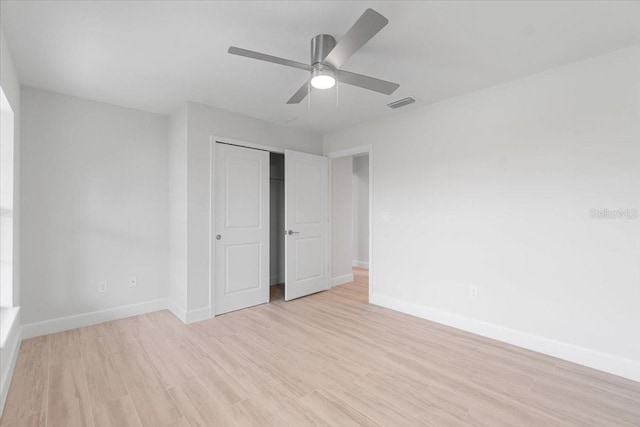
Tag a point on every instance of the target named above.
point(385, 216)
point(133, 281)
point(474, 292)
point(102, 287)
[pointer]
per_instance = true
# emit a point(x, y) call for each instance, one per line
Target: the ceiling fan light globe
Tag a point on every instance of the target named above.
point(323, 81)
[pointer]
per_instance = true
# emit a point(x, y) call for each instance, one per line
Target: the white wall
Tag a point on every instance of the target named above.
point(361, 211)
point(177, 287)
point(495, 189)
point(95, 193)
point(203, 122)
point(341, 219)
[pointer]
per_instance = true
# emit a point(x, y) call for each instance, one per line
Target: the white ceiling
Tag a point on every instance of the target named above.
point(156, 55)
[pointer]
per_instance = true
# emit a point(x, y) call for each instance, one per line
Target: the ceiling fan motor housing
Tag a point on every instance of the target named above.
point(321, 45)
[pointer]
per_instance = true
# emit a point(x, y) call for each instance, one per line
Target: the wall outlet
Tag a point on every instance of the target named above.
point(474, 292)
point(385, 216)
point(133, 281)
point(102, 287)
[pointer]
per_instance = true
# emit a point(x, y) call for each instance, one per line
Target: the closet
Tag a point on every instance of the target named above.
point(270, 224)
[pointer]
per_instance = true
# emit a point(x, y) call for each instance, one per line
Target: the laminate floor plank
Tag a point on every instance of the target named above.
point(118, 413)
point(335, 411)
point(164, 356)
point(27, 397)
point(263, 387)
point(65, 345)
point(69, 404)
point(154, 404)
point(199, 407)
point(103, 377)
point(35, 420)
point(181, 422)
point(253, 413)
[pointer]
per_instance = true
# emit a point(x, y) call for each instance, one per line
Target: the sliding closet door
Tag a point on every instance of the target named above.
point(306, 218)
point(242, 227)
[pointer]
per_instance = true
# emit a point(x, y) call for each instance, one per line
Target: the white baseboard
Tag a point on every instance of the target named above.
point(8, 357)
point(360, 264)
point(198, 315)
point(341, 280)
point(177, 311)
point(189, 316)
point(626, 368)
point(60, 324)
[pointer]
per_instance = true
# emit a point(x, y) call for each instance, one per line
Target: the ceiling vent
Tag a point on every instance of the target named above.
point(401, 103)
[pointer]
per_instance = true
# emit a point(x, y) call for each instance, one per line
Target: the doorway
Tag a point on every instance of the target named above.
point(351, 219)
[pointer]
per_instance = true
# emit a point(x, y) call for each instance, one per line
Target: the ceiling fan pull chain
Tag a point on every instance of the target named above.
point(309, 95)
point(337, 95)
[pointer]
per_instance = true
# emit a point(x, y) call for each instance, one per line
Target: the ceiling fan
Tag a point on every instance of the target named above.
point(327, 57)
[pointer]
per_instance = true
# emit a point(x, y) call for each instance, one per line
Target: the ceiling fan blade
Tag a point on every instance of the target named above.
point(366, 82)
point(269, 58)
point(360, 33)
point(300, 94)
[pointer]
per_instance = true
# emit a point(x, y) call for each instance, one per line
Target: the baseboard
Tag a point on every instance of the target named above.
point(177, 311)
point(198, 315)
point(11, 348)
point(622, 367)
point(60, 324)
point(341, 280)
point(360, 264)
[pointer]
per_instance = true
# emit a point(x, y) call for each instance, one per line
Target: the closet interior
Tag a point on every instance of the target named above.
point(276, 234)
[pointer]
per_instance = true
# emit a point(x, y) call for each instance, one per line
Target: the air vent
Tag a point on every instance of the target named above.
point(401, 103)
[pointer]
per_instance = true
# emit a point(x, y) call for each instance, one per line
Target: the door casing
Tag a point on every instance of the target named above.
point(363, 149)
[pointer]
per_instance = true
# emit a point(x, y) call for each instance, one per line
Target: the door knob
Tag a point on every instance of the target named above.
point(290, 232)
point(218, 236)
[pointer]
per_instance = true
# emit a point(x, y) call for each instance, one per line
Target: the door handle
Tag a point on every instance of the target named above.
point(218, 237)
point(290, 232)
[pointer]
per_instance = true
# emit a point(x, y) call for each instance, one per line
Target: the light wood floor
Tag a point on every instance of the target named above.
point(328, 359)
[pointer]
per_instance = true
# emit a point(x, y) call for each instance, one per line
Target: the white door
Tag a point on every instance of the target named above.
point(306, 221)
point(242, 227)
